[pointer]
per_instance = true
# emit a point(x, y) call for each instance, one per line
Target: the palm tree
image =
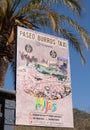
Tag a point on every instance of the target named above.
point(36, 14)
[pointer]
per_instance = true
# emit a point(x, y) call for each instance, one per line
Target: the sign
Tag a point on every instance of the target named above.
point(43, 84)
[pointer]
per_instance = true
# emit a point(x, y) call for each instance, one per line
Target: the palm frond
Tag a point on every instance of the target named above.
point(2, 14)
point(15, 5)
point(17, 22)
point(2, 11)
point(34, 13)
point(28, 23)
point(73, 40)
point(3, 3)
point(11, 36)
point(8, 10)
point(25, 23)
point(83, 33)
point(73, 5)
point(26, 8)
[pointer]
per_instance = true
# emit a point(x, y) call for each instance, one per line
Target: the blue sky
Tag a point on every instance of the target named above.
point(80, 73)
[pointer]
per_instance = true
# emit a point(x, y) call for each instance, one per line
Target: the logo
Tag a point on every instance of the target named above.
point(45, 105)
point(53, 54)
point(28, 48)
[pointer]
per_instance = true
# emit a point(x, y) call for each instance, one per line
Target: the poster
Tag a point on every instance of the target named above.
point(43, 83)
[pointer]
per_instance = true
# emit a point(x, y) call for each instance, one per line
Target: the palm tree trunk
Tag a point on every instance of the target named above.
point(3, 68)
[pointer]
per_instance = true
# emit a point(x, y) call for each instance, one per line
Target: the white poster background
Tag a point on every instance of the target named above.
point(43, 84)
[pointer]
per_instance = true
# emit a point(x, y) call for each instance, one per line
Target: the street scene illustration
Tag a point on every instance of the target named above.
point(43, 78)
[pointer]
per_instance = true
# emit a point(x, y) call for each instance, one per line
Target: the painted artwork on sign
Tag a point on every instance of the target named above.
point(43, 84)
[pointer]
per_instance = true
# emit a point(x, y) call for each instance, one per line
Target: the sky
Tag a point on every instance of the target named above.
point(80, 73)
